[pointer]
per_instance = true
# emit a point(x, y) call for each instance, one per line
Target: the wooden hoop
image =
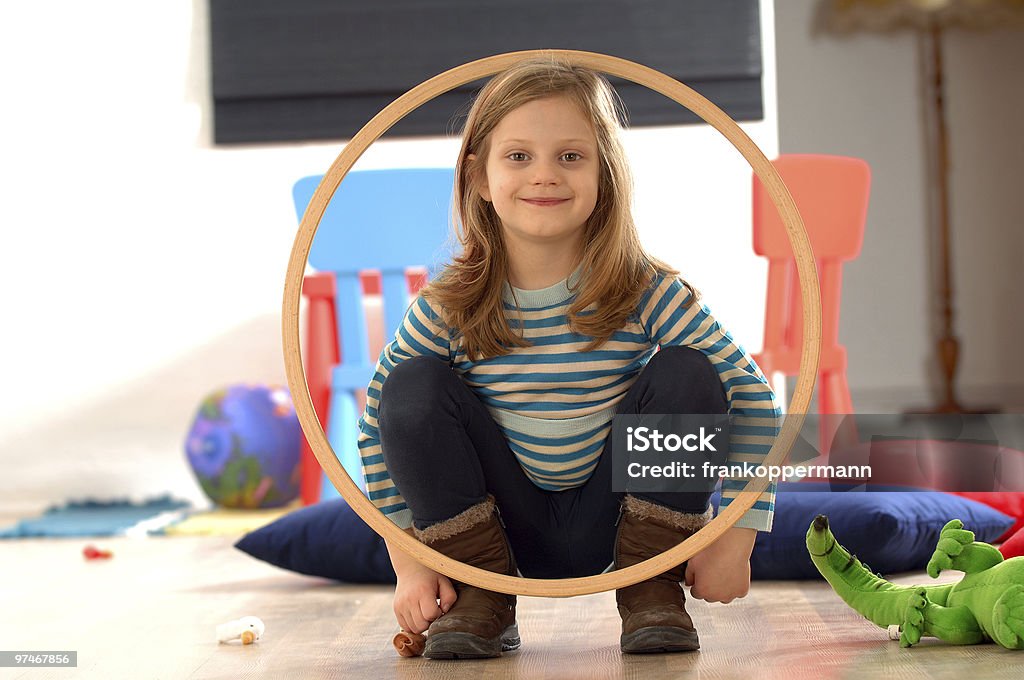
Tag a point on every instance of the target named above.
point(379, 124)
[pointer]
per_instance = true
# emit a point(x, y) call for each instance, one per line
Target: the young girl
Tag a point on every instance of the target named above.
point(487, 424)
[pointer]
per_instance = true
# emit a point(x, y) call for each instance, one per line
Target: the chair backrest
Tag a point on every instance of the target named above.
point(384, 220)
point(831, 193)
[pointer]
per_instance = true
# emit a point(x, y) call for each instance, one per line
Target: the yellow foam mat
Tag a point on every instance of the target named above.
point(228, 521)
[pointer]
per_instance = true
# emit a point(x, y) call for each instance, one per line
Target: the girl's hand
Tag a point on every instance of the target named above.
point(421, 596)
point(721, 572)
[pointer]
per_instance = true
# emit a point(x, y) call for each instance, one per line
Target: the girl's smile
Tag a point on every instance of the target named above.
point(546, 201)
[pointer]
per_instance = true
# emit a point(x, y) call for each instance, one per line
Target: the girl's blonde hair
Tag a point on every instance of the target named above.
point(615, 269)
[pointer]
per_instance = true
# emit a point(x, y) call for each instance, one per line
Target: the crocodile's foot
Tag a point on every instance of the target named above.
point(952, 540)
point(913, 619)
point(1008, 618)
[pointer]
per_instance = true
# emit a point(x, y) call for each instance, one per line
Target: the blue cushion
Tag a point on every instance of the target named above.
point(327, 539)
point(892, 532)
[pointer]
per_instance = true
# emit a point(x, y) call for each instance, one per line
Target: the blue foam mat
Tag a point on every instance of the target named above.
point(92, 518)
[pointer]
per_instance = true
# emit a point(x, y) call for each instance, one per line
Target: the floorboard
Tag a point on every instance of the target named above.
point(151, 611)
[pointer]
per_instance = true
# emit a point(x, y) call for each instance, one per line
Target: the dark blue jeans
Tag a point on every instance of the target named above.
point(445, 453)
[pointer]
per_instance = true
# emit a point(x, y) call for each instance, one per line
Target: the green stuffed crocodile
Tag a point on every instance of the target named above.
point(986, 605)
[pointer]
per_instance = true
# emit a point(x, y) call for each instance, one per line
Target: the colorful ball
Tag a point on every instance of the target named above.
point(244, 447)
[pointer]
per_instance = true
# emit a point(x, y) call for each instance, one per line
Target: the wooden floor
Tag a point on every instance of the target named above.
point(150, 612)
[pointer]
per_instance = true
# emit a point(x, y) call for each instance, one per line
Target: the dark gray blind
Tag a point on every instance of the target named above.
point(320, 69)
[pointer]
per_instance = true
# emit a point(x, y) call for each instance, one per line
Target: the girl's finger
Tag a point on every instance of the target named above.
point(402, 623)
point(417, 624)
point(447, 594)
point(429, 609)
point(409, 618)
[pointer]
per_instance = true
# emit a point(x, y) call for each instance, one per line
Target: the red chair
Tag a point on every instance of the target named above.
point(322, 355)
point(383, 233)
point(832, 194)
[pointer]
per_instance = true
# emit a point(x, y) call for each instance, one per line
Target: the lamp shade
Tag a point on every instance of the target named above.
point(848, 16)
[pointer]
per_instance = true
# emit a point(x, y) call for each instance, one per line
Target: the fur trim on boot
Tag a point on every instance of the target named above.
point(686, 521)
point(465, 520)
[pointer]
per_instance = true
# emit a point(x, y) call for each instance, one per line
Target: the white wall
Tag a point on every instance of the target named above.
point(142, 267)
point(861, 96)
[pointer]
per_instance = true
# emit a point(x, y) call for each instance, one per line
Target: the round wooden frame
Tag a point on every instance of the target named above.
point(394, 112)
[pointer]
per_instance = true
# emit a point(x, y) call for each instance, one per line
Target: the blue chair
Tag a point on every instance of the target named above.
point(391, 221)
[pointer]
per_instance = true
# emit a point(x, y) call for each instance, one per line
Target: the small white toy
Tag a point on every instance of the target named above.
point(248, 629)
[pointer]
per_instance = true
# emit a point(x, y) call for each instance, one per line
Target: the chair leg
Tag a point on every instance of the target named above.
point(320, 354)
point(839, 392)
point(342, 435)
point(837, 427)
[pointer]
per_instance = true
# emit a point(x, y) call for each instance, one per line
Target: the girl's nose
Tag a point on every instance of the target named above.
point(545, 172)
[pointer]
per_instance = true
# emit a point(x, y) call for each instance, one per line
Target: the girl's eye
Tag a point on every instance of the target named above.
point(517, 156)
point(571, 156)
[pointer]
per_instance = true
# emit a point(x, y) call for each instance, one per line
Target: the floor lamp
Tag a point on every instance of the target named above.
point(930, 18)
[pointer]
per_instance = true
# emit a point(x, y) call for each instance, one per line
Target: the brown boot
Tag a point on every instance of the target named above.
point(481, 623)
point(653, 612)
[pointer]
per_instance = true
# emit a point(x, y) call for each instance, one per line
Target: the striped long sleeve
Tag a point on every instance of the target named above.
point(422, 333)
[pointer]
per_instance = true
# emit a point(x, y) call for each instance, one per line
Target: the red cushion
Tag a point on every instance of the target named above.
point(1007, 502)
point(1014, 546)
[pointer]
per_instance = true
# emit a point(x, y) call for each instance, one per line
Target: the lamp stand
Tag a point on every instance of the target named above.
point(947, 344)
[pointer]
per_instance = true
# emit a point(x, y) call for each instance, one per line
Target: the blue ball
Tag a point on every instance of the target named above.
point(244, 447)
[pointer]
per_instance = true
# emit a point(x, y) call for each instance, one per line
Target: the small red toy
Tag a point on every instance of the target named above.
point(91, 552)
point(409, 644)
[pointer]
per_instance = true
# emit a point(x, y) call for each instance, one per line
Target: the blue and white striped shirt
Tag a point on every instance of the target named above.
point(555, 403)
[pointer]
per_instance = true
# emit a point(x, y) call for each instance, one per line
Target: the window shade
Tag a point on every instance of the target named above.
point(290, 70)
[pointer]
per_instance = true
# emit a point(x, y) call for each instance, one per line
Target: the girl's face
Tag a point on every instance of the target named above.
point(542, 171)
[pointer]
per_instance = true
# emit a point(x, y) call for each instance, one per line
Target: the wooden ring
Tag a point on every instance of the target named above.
point(764, 170)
